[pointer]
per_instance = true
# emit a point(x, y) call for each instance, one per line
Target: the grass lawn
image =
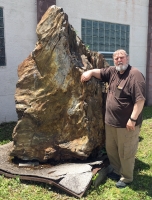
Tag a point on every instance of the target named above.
point(140, 189)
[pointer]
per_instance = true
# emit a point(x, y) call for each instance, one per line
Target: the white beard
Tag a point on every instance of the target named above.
point(121, 68)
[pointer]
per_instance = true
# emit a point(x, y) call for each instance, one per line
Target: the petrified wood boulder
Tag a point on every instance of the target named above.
point(58, 117)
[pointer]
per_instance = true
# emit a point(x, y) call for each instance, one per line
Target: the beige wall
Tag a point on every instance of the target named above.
point(19, 29)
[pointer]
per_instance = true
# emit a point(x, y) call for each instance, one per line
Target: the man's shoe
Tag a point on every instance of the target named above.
point(121, 184)
point(113, 176)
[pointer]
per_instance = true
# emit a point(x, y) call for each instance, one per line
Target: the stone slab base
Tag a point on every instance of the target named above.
point(79, 179)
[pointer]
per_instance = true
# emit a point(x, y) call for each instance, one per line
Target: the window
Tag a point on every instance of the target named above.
point(2, 43)
point(105, 37)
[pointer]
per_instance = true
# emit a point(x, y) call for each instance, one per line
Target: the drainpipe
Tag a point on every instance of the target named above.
point(149, 58)
point(42, 6)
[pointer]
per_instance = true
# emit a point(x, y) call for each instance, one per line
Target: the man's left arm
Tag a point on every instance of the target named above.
point(138, 106)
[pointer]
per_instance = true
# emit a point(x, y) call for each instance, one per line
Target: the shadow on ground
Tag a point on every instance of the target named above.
point(142, 182)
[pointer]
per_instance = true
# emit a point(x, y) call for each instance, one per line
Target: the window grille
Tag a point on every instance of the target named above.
point(105, 37)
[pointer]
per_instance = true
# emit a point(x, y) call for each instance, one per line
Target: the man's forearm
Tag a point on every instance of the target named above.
point(96, 73)
point(88, 74)
point(138, 106)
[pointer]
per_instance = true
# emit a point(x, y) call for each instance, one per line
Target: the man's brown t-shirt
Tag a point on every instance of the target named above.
point(123, 92)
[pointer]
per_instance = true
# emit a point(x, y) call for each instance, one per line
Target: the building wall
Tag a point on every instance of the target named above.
point(129, 12)
point(20, 20)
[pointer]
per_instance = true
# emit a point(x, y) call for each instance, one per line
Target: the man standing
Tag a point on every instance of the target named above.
point(125, 101)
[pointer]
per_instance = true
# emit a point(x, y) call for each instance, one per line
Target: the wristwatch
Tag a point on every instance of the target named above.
point(134, 120)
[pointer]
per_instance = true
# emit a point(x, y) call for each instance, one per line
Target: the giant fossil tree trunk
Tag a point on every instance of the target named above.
point(58, 117)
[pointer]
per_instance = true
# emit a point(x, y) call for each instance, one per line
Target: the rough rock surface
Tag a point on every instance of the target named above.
point(58, 117)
